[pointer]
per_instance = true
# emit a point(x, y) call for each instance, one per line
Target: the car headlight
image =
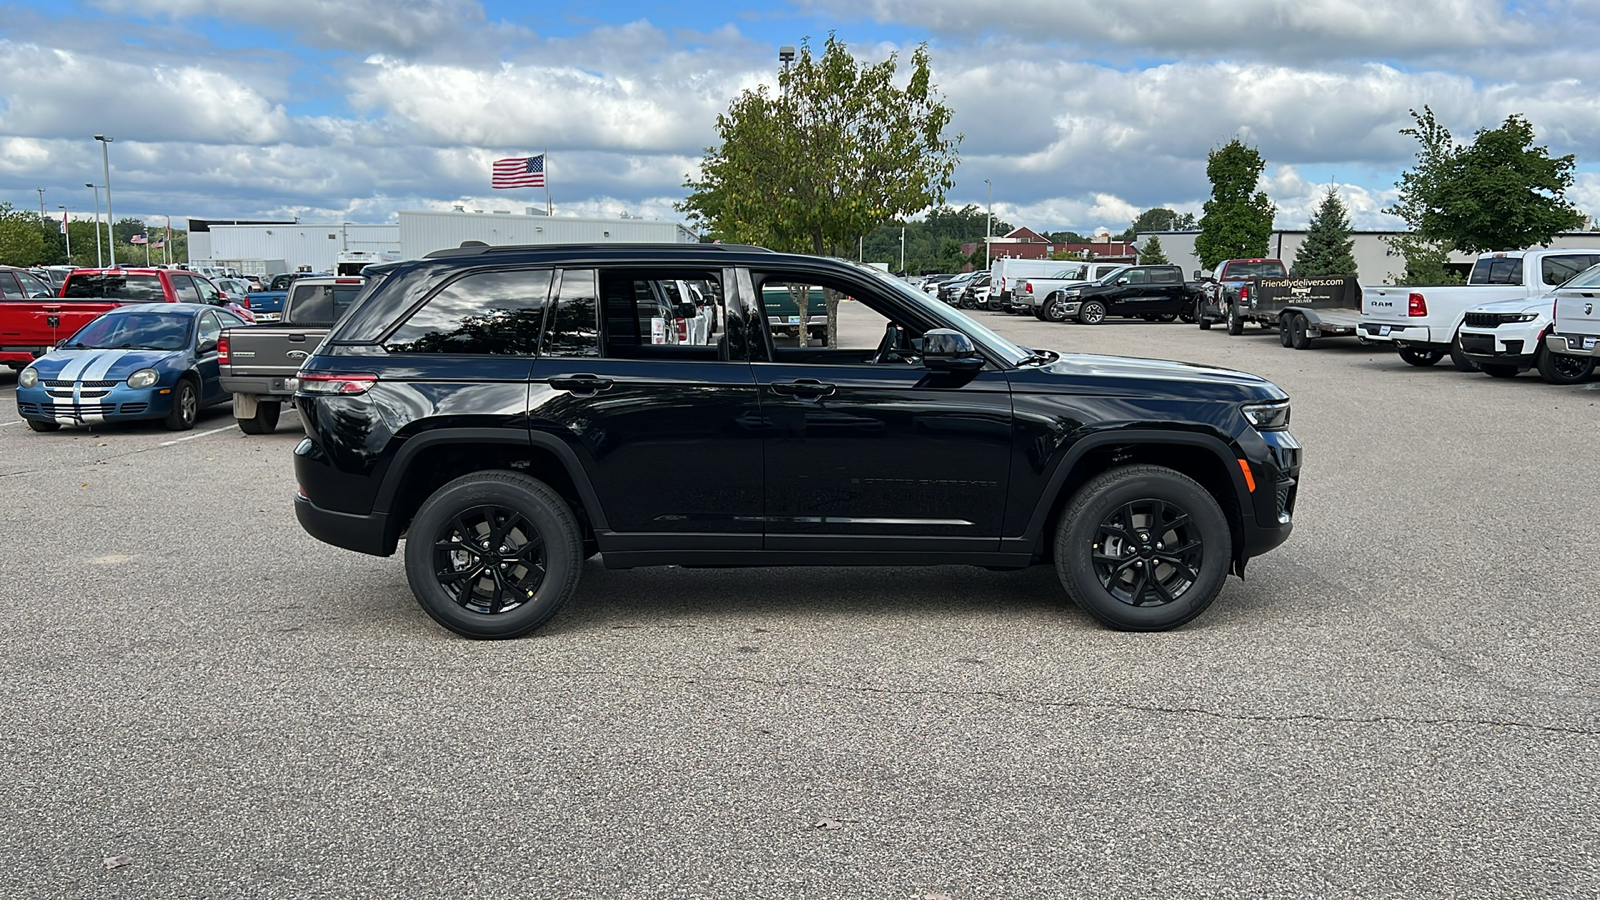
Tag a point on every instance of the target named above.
point(1272, 416)
point(1071, 293)
point(28, 378)
point(143, 378)
point(1527, 317)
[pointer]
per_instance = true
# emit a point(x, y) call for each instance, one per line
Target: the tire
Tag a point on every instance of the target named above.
point(1103, 563)
point(1420, 358)
point(44, 426)
point(185, 406)
point(1284, 337)
point(1235, 322)
point(1459, 357)
point(1052, 310)
point(1039, 313)
point(265, 419)
point(452, 536)
point(1200, 316)
point(1297, 332)
point(1092, 312)
point(1167, 317)
point(1498, 370)
point(1554, 368)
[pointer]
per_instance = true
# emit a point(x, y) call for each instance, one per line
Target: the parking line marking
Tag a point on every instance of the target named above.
point(4, 424)
point(193, 436)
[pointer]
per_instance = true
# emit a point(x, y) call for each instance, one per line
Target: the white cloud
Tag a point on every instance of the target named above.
point(349, 24)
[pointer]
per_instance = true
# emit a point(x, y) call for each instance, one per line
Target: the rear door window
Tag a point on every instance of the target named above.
point(484, 313)
point(1497, 270)
point(575, 322)
point(119, 286)
point(184, 287)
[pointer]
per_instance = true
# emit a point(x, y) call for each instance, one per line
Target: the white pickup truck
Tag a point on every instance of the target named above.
point(1036, 294)
point(1573, 343)
point(1424, 323)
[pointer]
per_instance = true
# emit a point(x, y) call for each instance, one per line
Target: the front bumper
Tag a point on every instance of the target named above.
point(1269, 516)
point(1573, 344)
point(90, 406)
point(1508, 345)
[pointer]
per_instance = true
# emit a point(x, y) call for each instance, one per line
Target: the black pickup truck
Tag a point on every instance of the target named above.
point(1155, 293)
point(502, 411)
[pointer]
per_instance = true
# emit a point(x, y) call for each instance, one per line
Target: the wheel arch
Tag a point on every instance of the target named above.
point(1205, 458)
point(428, 461)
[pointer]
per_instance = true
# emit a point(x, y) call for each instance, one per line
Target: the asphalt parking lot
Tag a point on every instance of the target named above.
point(1399, 702)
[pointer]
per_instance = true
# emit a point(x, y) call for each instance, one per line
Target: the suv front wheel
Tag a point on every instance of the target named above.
point(1143, 548)
point(494, 555)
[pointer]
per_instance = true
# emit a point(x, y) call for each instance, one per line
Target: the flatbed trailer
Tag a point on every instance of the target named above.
point(1305, 309)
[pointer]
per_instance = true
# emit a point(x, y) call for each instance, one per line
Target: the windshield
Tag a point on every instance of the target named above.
point(119, 286)
point(134, 331)
point(1013, 354)
point(1111, 276)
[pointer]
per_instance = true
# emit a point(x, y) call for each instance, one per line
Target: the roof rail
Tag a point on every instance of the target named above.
point(476, 248)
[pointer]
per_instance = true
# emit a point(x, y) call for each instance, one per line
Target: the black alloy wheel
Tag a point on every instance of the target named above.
point(185, 406)
point(1420, 358)
point(1143, 548)
point(1092, 312)
point(494, 555)
point(1558, 368)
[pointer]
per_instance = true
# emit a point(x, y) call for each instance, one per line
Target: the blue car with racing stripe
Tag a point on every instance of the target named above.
point(141, 361)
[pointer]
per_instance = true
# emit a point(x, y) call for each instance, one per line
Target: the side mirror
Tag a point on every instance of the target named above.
point(944, 350)
point(208, 345)
point(1122, 280)
point(1199, 274)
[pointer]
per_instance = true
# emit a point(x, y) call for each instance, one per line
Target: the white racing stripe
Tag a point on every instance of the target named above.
point(102, 364)
point(75, 367)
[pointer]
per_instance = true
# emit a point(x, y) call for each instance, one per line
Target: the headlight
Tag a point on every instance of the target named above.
point(1071, 292)
point(1268, 416)
point(28, 378)
point(1527, 317)
point(143, 378)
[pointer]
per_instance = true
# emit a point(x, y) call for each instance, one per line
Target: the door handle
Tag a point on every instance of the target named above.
point(583, 385)
point(297, 338)
point(804, 388)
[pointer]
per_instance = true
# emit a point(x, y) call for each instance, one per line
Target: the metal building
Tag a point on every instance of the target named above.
point(422, 232)
point(310, 244)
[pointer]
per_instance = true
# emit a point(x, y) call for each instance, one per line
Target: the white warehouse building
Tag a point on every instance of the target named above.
point(318, 246)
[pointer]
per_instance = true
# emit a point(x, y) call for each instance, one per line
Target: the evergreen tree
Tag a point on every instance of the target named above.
point(1328, 244)
point(1237, 222)
point(1152, 254)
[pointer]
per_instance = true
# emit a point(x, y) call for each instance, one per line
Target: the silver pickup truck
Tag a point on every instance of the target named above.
point(259, 362)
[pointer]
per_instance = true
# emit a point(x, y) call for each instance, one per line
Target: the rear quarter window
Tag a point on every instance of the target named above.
point(486, 313)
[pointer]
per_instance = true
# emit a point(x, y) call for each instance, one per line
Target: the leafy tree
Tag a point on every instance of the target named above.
point(126, 228)
point(925, 238)
point(1500, 193)
point(1327, 249)
point(1238, 218)
point(839, 151)
point(22, 237)
point(1158, 219)
point(1066, 237)
point(1151, 253)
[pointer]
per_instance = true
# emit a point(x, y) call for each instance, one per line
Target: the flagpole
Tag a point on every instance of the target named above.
point(548, 211)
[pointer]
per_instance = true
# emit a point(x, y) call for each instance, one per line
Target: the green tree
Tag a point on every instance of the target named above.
point(924, 238)
point(1500, 193)
point(1066, 237)
point(22, 238)
point(1158, 219)
point(839, 151)
point(1237, 222)
point(1328, 247)
point(1151, 253)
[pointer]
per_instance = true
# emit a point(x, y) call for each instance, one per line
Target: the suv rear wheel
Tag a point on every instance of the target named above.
point(494, 555)
point(1143, 548)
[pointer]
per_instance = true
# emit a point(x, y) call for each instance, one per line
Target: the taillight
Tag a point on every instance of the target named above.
point(244, 301)
point(1027, 287)
point(320, 383)
point(1416, 306)
point(222, 350)
point(683, 330)
point(1244, 292)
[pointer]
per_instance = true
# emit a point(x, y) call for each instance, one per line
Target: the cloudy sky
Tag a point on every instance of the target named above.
point(1081, 112)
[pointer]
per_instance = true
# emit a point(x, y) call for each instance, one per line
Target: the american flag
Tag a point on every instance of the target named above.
point(527, 171)
point(137, 239)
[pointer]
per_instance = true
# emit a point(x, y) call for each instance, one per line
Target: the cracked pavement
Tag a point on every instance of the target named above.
point(1399, 702)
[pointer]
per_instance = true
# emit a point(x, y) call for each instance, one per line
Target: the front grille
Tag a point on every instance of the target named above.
point(82, 409)
point(1491, 320)
point(1477, 343)
point(87, 384)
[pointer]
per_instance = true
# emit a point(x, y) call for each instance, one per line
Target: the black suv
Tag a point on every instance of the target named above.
point(508, 410)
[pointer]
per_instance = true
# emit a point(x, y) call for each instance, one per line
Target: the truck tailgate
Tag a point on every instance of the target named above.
point(1577, 312)
point(271, 349)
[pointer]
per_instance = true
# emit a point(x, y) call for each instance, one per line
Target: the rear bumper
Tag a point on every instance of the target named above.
point(1389, 332)
point(265, 385)
point(361, 533)
point(1573, 344)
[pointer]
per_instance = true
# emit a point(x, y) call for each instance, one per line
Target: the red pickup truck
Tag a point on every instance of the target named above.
point(33, 323)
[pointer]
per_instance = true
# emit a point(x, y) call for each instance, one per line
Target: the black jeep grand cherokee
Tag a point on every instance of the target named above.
point(512, 411)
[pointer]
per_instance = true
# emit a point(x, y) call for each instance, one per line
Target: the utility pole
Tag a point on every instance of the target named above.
point(43, 222)
point(105, 160)
point(902, 251)
point(99, 259)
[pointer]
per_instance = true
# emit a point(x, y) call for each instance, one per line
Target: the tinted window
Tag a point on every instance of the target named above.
point(1165, 276)
point(208, 292)
point(34, 287)
point(1560, 269)
point(9, 289)
point(1243, 270)
point(575, 324)
point(1496, 270)
point(1138, 276)
point(183, 287)
point(488, 313)
point(209, 329)
point(119, 286)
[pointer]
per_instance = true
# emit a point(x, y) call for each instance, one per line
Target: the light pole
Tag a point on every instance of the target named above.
point(43, 223)
point(99, 260)
point(988, 224)
point(105, 161)
point(902, 251)
point(66, 230)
